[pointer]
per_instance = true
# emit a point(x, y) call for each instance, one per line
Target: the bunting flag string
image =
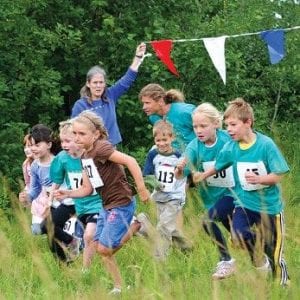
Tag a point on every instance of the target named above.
point(215, 46)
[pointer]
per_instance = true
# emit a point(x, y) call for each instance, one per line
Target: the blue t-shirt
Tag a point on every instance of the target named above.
point(262, 158)
point(40, 177)
point(67, 168)
point(201, 157)
point(180, 116)
point(106, 106)
point(163, 167)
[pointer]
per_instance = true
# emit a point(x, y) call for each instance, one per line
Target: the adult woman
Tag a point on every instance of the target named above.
point(102, 100)
point(160, 104)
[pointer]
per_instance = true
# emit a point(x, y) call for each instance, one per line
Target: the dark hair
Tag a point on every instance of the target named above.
point(42, 133)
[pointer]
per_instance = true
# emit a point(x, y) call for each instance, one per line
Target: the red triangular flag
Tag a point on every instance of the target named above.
point(163, 50)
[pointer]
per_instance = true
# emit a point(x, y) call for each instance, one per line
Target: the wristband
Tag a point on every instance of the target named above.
point(139, 56)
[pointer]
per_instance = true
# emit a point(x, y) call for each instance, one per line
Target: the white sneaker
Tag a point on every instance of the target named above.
point(115, 291)
point(266, 267)
point(74, 248)
point(146, 225)
point(224, 269)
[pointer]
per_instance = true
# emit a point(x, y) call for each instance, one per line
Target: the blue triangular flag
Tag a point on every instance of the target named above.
point(275, 42)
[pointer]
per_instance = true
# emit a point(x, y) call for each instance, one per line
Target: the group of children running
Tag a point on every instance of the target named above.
point(236, 171)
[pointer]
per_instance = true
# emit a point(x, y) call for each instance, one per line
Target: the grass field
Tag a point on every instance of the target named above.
point(29, 271)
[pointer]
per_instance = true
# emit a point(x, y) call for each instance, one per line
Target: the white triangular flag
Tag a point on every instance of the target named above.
point(216, 50)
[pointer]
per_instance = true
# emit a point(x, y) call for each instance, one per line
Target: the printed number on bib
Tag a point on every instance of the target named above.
point(223, 178)
point(75, 180)
point(165, 175)
point(92, 172)
point(258, 168)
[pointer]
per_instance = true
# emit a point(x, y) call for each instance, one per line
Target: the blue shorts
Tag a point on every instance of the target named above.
point(113, 224)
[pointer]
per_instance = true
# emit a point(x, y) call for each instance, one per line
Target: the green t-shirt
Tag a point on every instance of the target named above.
point(66, 168)
point(201, 157)
point(262, 158)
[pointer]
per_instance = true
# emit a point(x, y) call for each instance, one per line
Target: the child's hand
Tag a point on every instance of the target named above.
point(23, 198)
point(179, 168)
point(197, 177)
point(181, 165)
point(144, 194)
point(252, 178)
point(60, 195)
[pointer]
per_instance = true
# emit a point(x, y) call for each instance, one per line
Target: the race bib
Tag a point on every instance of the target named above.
point(165, 175)
point(256, 167)
point(223, 178)
point(75, 180)
point(92, 172)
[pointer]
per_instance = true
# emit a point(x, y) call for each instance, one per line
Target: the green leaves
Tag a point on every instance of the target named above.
point(48, 46)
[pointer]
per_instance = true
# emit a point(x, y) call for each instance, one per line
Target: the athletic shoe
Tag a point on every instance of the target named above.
point(224, 269)
point(115, 291)
point(146, 226)
point(266, 267)
point(74, 248)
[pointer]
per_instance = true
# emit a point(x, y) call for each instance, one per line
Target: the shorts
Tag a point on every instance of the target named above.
point(113, 224)
point(88, 218)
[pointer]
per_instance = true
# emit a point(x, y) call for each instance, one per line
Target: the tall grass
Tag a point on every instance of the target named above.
point(29, 271)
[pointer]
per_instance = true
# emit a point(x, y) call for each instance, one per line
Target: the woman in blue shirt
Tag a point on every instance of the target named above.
point(97, 97)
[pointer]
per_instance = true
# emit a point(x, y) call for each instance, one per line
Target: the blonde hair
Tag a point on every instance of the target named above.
point(240, 109)
point(210, 111)
point(157, 92)
point(26, 140)
point(93, 121)
point(65, 126)
point(163, 127)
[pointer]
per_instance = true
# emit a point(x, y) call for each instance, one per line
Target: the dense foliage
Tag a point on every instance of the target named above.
point(48, 46)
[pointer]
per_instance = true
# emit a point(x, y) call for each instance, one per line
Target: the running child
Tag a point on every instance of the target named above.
point(258, 168)
point(37, 195)
point(66, 167)
point(201, 154)
point(27, 162)
point(104, 171)
point(169, 194)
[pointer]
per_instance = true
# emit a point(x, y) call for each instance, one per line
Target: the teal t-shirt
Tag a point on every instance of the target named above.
point(201, 157)
point(180, 116)
point(67, 168)
point(262, 158)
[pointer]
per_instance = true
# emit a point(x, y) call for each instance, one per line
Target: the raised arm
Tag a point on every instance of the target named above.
point(139, 54)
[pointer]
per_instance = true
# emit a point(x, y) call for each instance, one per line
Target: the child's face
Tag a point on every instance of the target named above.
point(237, 129)
point(151, 106)
point(67, 140)
point(163, 142)
point(84, 136)
point(27, 150)
point(40, 150)
point(204, 128)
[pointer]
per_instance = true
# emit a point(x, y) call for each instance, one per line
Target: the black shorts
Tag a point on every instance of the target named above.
point(88, 218)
